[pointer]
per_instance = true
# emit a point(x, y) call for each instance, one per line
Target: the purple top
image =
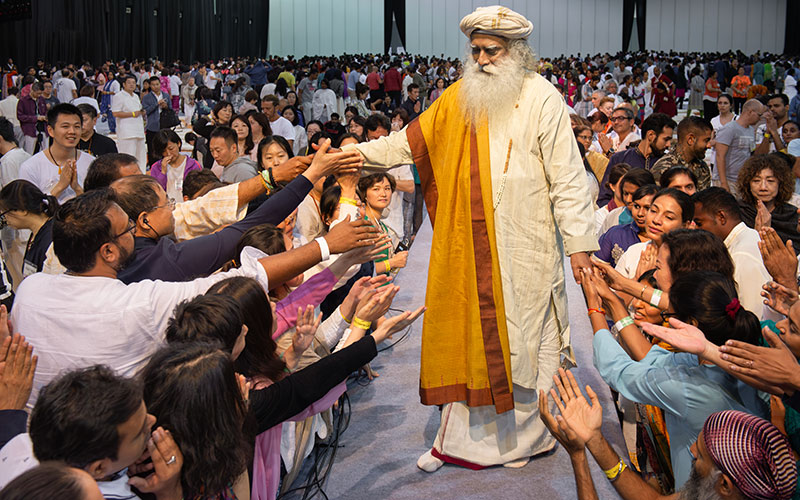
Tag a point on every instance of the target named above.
point(26, 114)
point(616, 240)
point(161, 177)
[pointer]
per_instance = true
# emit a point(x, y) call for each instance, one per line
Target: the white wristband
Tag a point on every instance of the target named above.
point(323, 248)
point(655, 299)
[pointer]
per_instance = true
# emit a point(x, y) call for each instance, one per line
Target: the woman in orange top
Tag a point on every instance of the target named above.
point(739, 86)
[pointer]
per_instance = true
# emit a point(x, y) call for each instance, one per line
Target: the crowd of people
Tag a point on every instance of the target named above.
point(223, 251)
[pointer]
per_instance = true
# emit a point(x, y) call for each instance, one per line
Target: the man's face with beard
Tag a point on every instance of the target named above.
point(487, 50)
point(660, 142)
point(122, 228)
point(699, 144)
point(705, 476)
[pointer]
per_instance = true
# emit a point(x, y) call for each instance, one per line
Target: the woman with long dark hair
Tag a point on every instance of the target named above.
point(23, 206)
point(241, 125)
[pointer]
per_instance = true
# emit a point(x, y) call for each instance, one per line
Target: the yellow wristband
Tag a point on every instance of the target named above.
point(348, 201)
point(134, 114)
point(360, 323)
point(388, 266)
point(613, 473)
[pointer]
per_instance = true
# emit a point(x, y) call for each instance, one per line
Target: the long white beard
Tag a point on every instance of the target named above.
point(490, 92)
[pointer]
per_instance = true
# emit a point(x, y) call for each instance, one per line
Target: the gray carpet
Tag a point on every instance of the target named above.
point(389, 428)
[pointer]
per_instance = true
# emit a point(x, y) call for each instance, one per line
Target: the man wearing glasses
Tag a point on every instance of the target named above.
point(624, 130)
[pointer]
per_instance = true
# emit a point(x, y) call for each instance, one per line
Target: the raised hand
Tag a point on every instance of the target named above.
point(291, 168)
point(647, 260)
point(327, 163)
point(17, 366)
point(348, 235)
point(609, 274)
point(683, 336)
point(305, 329)
point(579, 419)
point(167, 461)
point(776, 296)
point(593, 299)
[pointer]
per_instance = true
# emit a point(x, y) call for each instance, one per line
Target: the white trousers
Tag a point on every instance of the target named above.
point(28, 144)
point(135, 147)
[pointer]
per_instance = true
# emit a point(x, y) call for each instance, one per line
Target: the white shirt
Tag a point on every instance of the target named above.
point(78, 321)
point(323, 104)
point(748, 267)
point(64, 88)
point(629, 261)
point(133, 126)
point(174, 85)
point(10, 163)
point(8, 109)
point(268, 89)
point(210, 80)
point(39, 170)
point(283, 128)
point(393, 216)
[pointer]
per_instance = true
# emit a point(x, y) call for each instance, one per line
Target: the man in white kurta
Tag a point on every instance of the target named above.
point(542, 209)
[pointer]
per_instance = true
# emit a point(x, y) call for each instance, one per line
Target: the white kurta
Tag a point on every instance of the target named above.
point(545, 211)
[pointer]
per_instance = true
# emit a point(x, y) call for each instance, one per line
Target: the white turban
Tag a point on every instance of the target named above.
point(496, 21)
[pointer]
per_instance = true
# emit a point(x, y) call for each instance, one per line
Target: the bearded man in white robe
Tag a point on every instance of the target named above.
point(506, 190)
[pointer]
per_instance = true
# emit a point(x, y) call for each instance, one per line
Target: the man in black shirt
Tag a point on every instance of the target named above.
point(93, 143)
point(412, 105)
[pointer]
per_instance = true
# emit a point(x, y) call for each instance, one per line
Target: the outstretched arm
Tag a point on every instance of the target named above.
point(385, 152)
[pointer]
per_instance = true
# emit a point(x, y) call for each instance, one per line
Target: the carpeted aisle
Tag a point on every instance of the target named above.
point(389, 428)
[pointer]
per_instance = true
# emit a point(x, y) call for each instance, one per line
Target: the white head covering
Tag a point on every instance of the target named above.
point(496, 21)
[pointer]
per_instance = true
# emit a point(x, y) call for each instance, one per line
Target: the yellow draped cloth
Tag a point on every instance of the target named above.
point(465, 348)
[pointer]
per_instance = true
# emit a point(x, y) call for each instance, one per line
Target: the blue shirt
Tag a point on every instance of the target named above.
point(687, 392)
point(616, 240)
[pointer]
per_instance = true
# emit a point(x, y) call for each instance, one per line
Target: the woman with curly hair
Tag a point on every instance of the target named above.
point(766, 184)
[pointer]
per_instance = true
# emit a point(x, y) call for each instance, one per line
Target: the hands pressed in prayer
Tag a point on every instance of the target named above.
point(166, 464)
point(763, 217)
point(17, 366)
point(647, 260)
point(579, 421)
point(779, 259)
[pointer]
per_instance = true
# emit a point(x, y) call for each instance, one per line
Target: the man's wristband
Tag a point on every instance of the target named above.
point(269, 186)
point(134, 114)
point(323, 248)
point(626, 321)
point(348, 201)
point(613, 473)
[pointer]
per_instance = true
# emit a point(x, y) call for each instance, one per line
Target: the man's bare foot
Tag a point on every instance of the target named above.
point(428, 462)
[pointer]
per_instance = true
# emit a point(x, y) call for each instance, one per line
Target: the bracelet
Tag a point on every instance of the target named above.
point(641, 294)
point(348, 201)
point(624, 322)
point(323, 248)
point(265, 181)
point(767, 135)
point(388, 266)
point(345, 319)
point(360, 323)
point(655, 299)
point(613, 473)
point(271, 177)
point(134, 114)
point(593, 310)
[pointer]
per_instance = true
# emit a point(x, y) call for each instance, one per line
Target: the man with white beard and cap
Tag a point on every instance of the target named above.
point(507, 195)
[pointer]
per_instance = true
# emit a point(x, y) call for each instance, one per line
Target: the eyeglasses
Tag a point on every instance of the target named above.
point(131, 228)
point(665, 316)
point(170, 203)
point(619, 118)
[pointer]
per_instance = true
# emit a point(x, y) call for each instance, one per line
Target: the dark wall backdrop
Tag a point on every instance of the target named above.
point(94, 30)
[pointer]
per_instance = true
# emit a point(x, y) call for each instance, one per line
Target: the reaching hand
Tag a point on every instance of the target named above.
point(291, 168)
point(779, 259)
point(603, 290)
point(579, 417)
point(593, 300)
point(305, 329)
point(348, 235)
point(775, 365)
point(778, 297)
point(683, 336)
point(327, 163)
point(610, 275)
point(390, 326)
point(571, 439)
point(167, 461)
point(763, 217)
point(5, 325)
point(398, 260)
point(376, 303)
point(17, 366)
